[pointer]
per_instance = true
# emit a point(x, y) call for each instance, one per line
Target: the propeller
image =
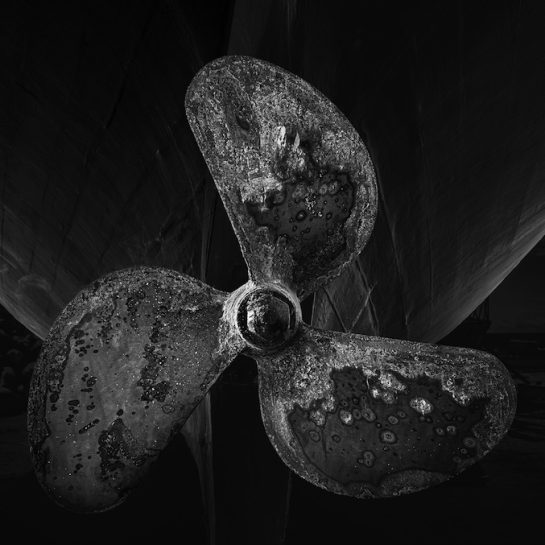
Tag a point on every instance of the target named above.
point(133, 354)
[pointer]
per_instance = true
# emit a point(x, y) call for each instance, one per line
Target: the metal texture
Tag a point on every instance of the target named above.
point(363, 416)
point(294, 175)
point(121, 370)
point(375, 417)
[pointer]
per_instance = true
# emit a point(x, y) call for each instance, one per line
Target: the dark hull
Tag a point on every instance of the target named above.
point(101, 172)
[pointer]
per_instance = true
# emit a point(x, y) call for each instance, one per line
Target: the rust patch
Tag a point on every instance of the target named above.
point(369, 436)
point(133, 302)
point(116, 446)
point(308, 208)
point(239, 113)
point(148, 376)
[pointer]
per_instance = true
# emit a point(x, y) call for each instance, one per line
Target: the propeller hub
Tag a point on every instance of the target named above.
point(267, 317)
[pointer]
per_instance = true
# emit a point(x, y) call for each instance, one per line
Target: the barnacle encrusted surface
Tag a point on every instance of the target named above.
point(120, 371)
point(294, 175)
point(373, 417)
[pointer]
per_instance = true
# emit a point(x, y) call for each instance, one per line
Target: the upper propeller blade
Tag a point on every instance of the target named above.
point(373, 417)
point(294, 175)
point(121, 370)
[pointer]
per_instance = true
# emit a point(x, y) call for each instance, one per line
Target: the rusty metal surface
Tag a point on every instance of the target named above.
point(294, 175)
point(121, 370)
point(362, 416)
point(237, 108)
point(94, 139)
point(375, 417)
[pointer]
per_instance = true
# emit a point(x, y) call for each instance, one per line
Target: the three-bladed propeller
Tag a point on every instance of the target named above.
point(132, 355)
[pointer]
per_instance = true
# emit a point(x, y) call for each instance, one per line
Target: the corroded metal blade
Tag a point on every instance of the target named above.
point(294, 175)
point(122, 368)
point(374, 417)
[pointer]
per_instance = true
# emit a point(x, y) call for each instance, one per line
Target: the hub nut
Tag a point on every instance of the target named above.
point(266, 318)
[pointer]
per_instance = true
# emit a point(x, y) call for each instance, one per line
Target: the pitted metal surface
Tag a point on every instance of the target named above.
point(294, 175)
point(121, 370)
point(355, 413)
point(131, 356)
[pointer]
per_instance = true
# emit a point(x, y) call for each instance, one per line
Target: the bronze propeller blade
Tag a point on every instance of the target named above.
point(120, 371)
point(294, 175)
point(374, 417)
point(131, 356)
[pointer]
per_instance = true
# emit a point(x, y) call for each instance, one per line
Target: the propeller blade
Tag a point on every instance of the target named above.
point(295, 177)
point(122, 368)
point(374, 417)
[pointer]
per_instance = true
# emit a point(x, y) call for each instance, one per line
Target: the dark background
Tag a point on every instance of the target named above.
point(449, 98)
